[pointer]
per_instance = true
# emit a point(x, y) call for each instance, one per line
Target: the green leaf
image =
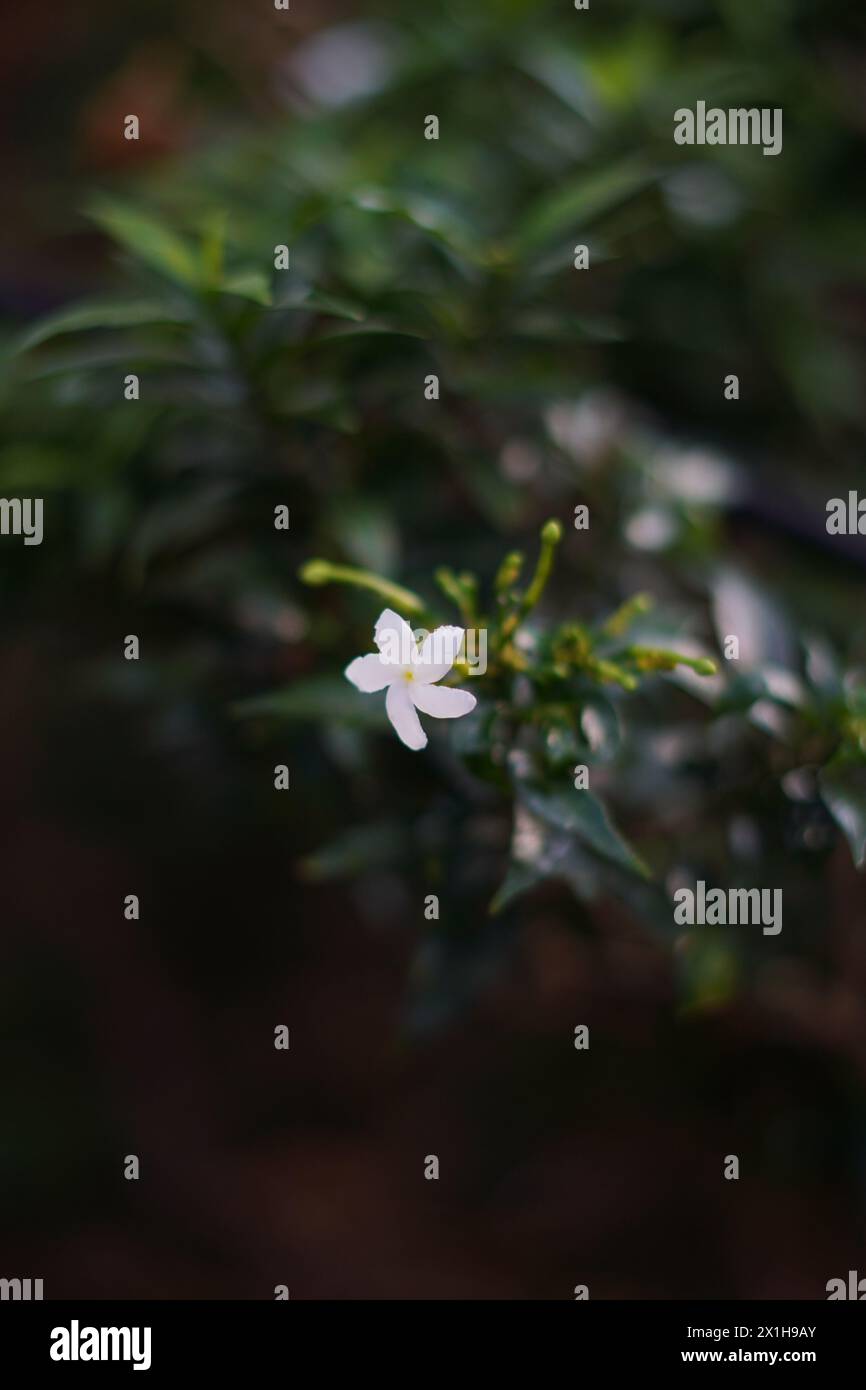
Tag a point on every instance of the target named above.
point(369, 328)
point(572, 207)
point(583, 815)
point(519, 879)
point(843, 788)
point(101, 314)
point(149, 240)
point(357, 850)
point(321, 699)
point(335, 305)
point(471, 735)
point(366, 532)
point(248, 284)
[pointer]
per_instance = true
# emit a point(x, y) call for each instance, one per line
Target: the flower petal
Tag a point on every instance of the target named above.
point(403, 716)
point(441, 701)
point(369, 673)
point(437, 654)
point(393, 636)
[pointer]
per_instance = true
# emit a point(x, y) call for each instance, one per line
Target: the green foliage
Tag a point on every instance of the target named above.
point(533, 680)
point(305, 388)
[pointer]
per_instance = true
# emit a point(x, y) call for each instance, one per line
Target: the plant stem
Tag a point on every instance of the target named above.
point(622, 619)
point(318, 572)
point(551, 534)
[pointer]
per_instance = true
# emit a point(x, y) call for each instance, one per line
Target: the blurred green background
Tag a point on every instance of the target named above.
point(305, 388)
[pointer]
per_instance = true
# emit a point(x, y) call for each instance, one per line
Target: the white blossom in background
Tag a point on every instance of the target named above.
point(408, 671)
point(344, 63)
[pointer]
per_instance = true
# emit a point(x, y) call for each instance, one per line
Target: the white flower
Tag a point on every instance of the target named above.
point(409, 671)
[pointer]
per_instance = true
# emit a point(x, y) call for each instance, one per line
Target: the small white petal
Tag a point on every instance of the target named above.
point(402, 715)
point(369, 673)
point(437, 654)
point(393, 636)
point(441, 701)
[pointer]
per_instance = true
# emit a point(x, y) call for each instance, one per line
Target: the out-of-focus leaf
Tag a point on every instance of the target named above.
point(571, 208)
point(432, 216)
point(742, 610)
point(320, 698)
point(248, 284)
point(741, 692)
point(175, 524)
point(552, 326)
point(822, 666)
point(561, 745)
point(843, 788)
point(368, 535)
point(369, 328)
point(824, 374)
point(584, 815)
point(102, 314)
point(496, 498)
point(785, 687)
point(356, 851)
point(80, 365)
point(599, 725)
point(622, 69)
point(562, 73)
point(297, 293)
point(335, 305)
point(149, 240)
point(471, 735)
point(546, 851)
point(519, 879)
